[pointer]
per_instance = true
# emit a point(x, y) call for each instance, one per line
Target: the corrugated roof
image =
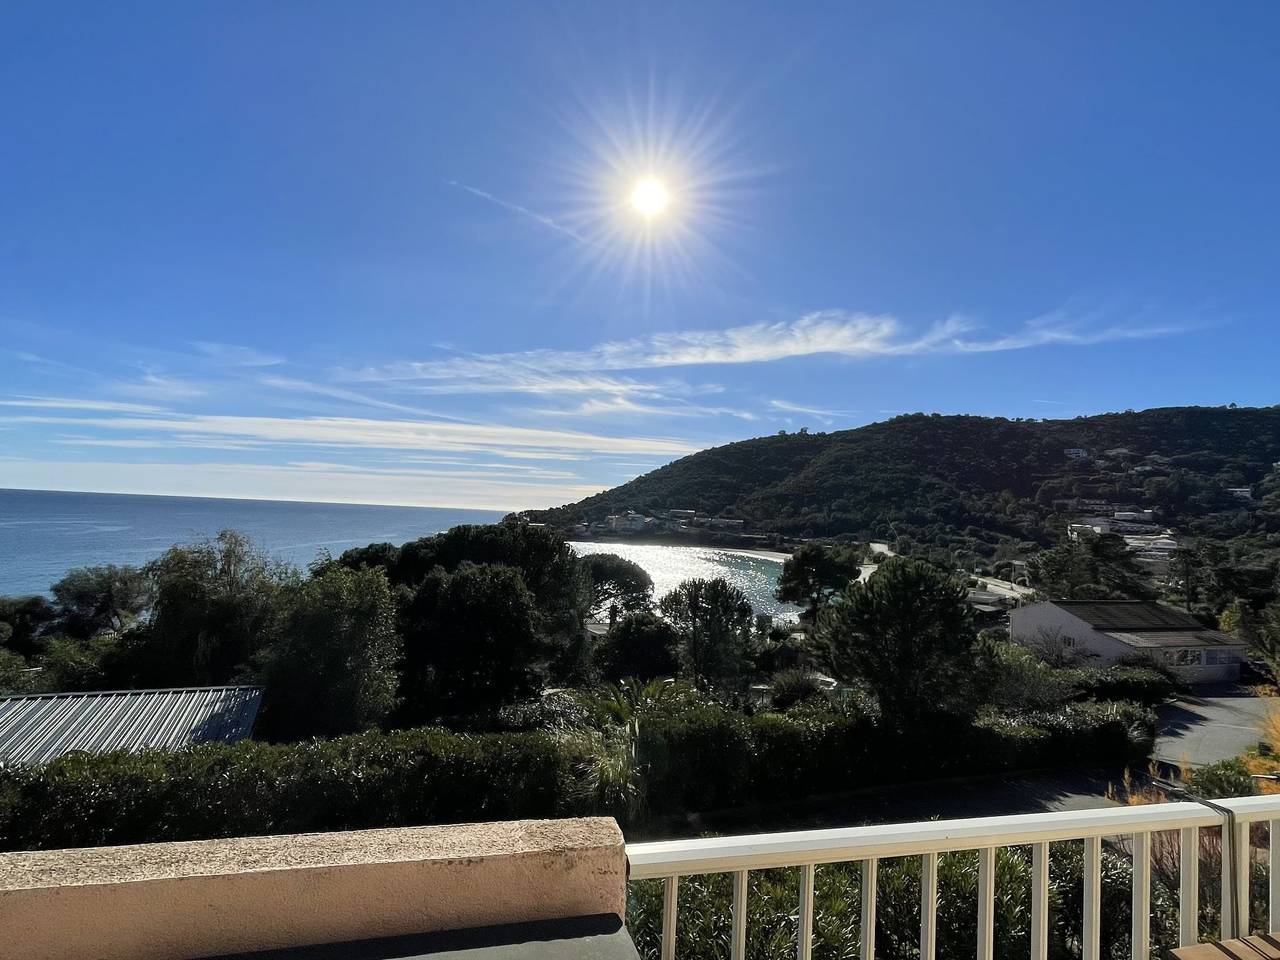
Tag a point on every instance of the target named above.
point(1176, 638)
point(1129, 615)
point(37, 728)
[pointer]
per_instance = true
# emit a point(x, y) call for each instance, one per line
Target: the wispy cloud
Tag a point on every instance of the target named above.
point(541, 218)
point(831, 332)
point(821, 412)
point(232, 355)
point(517, 379)
point(71, 403)
point(354, 432)
point(349, 396)
point(307, 481)
point(50, 365)
point(1060, 329)
point(624, 406)
point(155, 386)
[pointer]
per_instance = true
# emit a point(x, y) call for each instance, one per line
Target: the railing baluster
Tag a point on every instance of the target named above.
point(806, 850)
point(670, 908)
point(986, 903)
point(805, 937)
point(1235, 881)
point(1040, 901)
point(870, 873)
point(738, 947)
point(928, 906)
point(1225, 912)
point(1189, 886)
point(1241, 865)
point(1140, 939)
point(1092, 899)
point(1273, 876)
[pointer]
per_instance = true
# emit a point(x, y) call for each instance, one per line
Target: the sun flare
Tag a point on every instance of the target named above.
point(650, 197)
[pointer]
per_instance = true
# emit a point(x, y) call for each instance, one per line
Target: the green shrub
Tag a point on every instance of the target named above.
point(1138, 683)
point(790, 687)
point(216, 790)
point(687, 755)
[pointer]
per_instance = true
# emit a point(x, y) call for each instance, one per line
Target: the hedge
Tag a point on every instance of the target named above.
point(703, 758)
point(711, 758)
point(1136, 682)
point(216, 790)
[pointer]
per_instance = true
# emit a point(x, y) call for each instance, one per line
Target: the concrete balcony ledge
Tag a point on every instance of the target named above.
point(210, 897)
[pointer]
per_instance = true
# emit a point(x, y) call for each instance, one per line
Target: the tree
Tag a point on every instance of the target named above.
point(93, 599)
point(15, 674)
point(550, 571)
point(69, 663)
point(639, 645)
point(27, 619)
point(617, 585)
point(814, 573)
point(215, 604)
point(1090, 567)
point(907, 633)
point(1266, 641)
point(715, 623)
point(331, 667)
point(470, 643)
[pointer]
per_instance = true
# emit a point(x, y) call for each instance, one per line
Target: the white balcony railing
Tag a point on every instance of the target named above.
point(672, 859)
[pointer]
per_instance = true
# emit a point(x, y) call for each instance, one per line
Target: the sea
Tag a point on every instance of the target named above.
point(43, 534)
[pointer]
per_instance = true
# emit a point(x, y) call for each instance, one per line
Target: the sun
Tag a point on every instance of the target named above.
point(650, 197)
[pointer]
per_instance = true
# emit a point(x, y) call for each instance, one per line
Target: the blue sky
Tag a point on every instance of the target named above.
point(385, 252)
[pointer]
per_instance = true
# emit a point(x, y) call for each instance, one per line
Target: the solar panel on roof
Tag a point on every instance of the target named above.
point(1108, 615)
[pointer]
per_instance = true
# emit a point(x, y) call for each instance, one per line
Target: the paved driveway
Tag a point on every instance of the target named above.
point(1209, 725)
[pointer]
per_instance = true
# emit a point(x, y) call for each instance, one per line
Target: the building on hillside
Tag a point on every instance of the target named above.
point(1136, 516)
point(1076, 453)
point(725, 523)
point(1112, 630)
point(629, 522)
point(1243, 494)
point(1154, 551)
point(39, 727)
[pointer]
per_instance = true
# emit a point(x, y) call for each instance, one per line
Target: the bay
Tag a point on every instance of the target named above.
point(754, 573)
point(43, 534)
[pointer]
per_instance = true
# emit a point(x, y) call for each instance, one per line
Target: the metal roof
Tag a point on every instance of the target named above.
point(1129, 615)
point(1176, 638)
point(40, 727)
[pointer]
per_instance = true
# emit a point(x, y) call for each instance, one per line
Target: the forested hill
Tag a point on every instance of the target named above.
point(960, 479)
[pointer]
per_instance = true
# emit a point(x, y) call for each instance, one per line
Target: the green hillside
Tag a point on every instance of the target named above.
point(975, 482)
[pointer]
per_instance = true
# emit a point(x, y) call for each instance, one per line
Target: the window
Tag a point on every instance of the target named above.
point(1188, 658)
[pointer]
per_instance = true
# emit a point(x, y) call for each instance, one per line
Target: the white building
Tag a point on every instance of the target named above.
point(1111, 630)
point(629, 522)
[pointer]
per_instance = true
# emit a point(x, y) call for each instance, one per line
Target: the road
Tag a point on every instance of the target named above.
point(1210, 725)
